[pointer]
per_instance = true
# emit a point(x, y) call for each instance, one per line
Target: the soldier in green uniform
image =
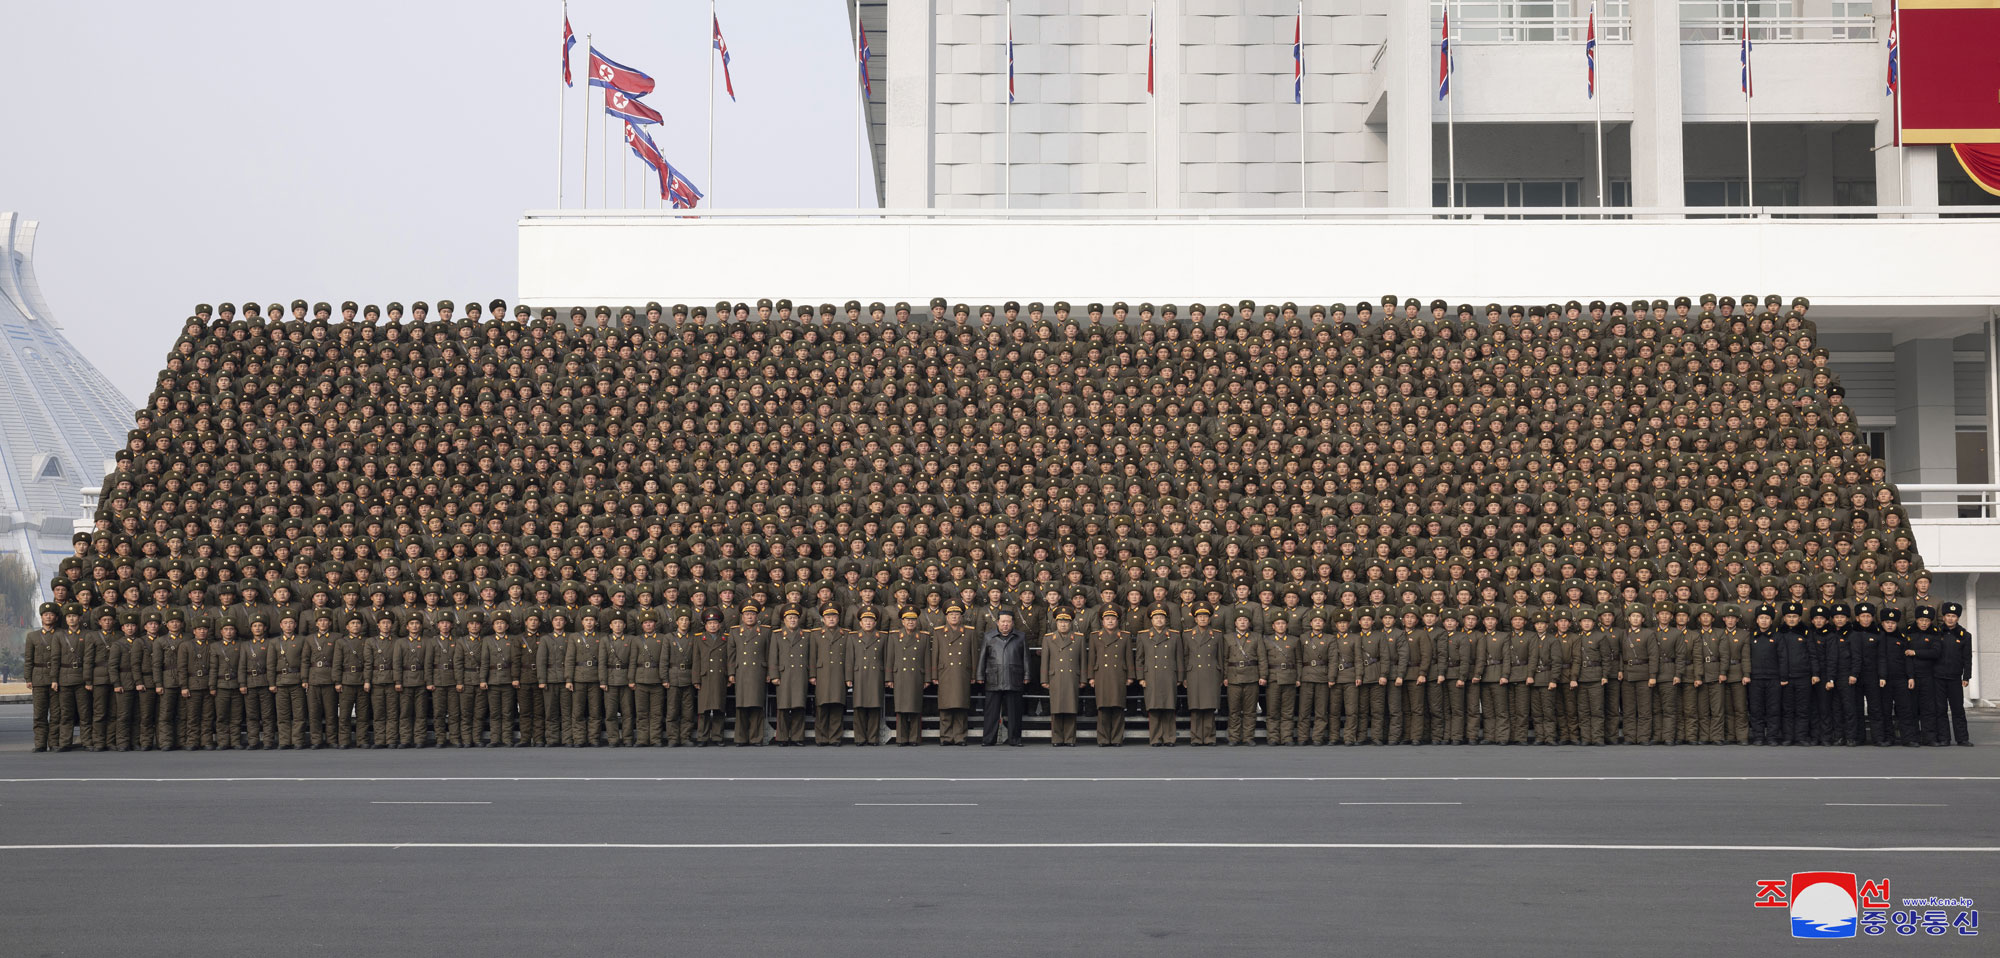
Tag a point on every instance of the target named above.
point(829, 644)
point(1062, 675)
point(441, 678)
point(1591, 667)
point(1278, 673)
point(1375, 658)
point(615, 670)
point(711, 680)
point(909, 675)
point(681, 694)
point(552, 681)
point(1551, 674)
point(291, 663)
point(1638, 665)
point(1489, 671)
point(385, 670)
point(1344, 672)
point(583, 659)
point(40, 666)
point(355, 666)
point(98, 732)
point(1110, 675)
point(1242, 663)
point(1734, 650)
point(230, 681)
point(749, 672)
point(260, 717)
point(1160, 665)
point(128, 652)
point(649, 679)
point(1315, 683)
point(198, 692)
point(1201, 674)
point(75, 656)
point(1668, 641)
point(790, 674)
point(867, 670)
point(498, 683)
point(323, 683)
point(954, 654)
point(468, 705)
point(1520, 678)
point(1456, 650)
point(412, 699)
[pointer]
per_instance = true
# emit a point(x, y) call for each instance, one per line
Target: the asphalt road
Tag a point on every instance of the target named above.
point(934, 851)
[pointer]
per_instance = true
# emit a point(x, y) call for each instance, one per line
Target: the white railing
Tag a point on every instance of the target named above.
point(1932, 501)
point(1762, 29)
point(1466, 29)
point(1830, 214)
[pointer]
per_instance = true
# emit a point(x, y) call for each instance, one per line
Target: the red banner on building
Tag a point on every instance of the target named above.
point(1950, 52)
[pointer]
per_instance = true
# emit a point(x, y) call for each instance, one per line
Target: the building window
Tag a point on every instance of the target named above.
point(45, 466)
point(1854, 192)
point(1509, 194)
point(1730, 193)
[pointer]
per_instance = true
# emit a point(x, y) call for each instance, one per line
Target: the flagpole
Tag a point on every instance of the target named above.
point(1450, 131)
point(1153, 135)
point(586, 137)
point(1007, 119)
point(854, 50)
point(1902, 171)
point(1303, 203)
point(1599, 101)
point(1749, 147)
point(713, 23)
point(562, 128)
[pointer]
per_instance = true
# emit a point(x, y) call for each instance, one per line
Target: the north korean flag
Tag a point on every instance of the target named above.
point(643, 146)
point(628, 108)
point(612, 75)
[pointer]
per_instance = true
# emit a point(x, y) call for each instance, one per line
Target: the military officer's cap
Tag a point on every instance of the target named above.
point(937, 302)
point(548, 312)
point(712, 615)
point(1158, 613)
point(1094, 308)
point(203, 309)
point(1683, 301)
point(51, 608)
point(792, 612)
point(1801, 302)
point(1596, 304)
point(1794, 608)
point(1109, 613)
point(298, 304)
point(853, 304)
point(624, 311)
point(909, 614)
point(1821, 611)
point(830, 611)
point(1201, 611)
point(1516, 310)
point(1925, 612)
point(953, 608)
point(1011, 306)
point(1440, 304)
point(1060, 616)
point(347, 305)
point(866, 614)
point(764, 304)
point(1864, 608)
point(1035, 307)
point(523, 310)
point(1892, 614)
point(1062, 306)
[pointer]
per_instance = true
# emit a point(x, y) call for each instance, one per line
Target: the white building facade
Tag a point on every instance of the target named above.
point(1221, 129)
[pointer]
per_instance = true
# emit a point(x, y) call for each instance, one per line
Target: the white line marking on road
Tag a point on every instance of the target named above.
point(1402, 803)
point(1026, 779)
point(999, 846)
point(916, 804)
point(1883, 805)
point(430, 803)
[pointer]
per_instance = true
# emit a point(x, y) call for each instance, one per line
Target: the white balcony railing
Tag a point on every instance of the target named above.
point(1701, 21)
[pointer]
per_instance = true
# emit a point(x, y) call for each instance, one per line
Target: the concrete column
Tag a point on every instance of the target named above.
point(1923, 448)
point(1168, 32)
point(1816, 187)
point(1659, 173)
point(1408, 77)
point(909, 156)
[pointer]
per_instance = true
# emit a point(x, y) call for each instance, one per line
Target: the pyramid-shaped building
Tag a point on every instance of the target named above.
point(60, 419)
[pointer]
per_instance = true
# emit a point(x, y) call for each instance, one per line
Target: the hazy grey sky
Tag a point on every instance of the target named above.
point(210, 151)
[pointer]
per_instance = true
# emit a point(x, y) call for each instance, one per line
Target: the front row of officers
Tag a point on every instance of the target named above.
point(1825, 676)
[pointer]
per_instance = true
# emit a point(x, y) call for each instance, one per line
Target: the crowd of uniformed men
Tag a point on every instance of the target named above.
point(1642, 523)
